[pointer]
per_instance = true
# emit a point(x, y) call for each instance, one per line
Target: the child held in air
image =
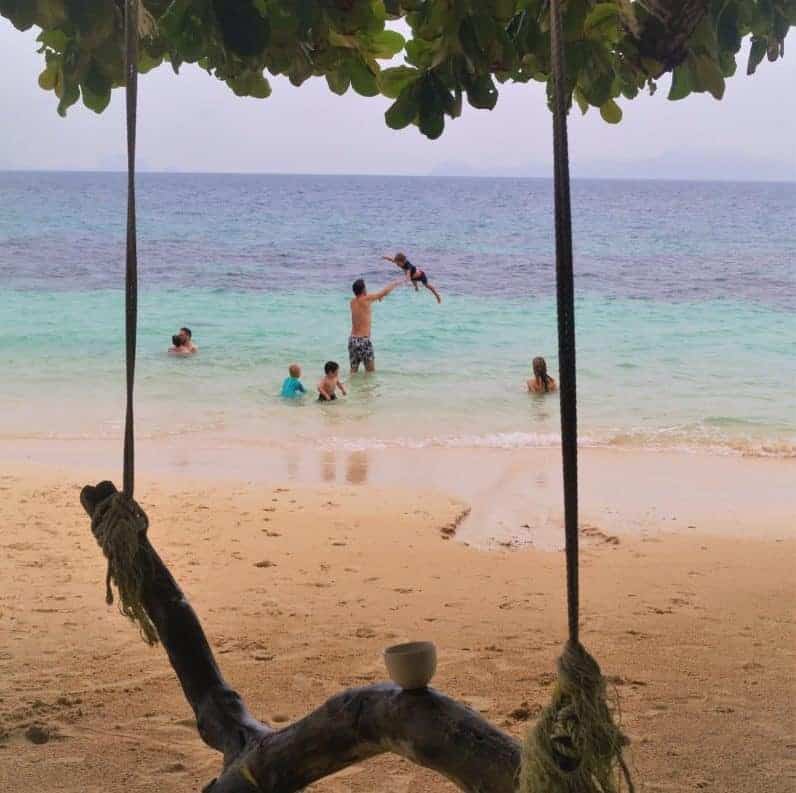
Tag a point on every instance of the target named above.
point(414, 274)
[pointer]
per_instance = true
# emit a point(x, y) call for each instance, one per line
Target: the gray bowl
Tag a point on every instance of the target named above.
point(411, 665)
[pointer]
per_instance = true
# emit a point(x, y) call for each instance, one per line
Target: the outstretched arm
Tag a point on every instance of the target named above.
point(386, 291)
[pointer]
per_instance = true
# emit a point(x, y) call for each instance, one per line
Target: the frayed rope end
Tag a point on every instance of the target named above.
point(576, 746)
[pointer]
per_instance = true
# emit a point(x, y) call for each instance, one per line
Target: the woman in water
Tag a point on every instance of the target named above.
point(541, 382)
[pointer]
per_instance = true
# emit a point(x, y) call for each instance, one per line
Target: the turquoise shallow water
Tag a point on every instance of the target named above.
point(686, 315)
point(716, 373)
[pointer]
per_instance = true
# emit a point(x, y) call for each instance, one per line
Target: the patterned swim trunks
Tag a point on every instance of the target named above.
point(360, 350)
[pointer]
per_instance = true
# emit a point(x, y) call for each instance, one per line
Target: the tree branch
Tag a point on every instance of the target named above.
point(423, 726)
point(221, 717)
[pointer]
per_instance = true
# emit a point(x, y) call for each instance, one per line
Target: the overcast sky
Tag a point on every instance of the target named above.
point(194, 123)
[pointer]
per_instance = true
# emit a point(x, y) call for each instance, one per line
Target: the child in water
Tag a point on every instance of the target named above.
point(541, 382)
point(330, 382)
point(292, 386)
point(415, 275)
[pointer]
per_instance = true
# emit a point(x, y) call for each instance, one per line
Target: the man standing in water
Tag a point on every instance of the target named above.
point(360, 347)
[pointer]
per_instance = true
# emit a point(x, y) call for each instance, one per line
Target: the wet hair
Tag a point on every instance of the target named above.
point(331, 367)
point(400, 257)
point(176, 340)
point(295, 370)
point(359, 287)
point(187, 332)
point(540, 371)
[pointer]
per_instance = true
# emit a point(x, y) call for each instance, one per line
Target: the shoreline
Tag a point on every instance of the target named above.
point(513, 496)
point(300, 587)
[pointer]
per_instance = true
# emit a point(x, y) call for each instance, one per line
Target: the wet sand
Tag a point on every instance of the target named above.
point(300, 586)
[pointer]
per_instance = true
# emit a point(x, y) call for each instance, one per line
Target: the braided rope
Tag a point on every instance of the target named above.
point(576, 746)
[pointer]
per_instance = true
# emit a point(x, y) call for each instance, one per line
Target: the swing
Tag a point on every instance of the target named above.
point(575, 746)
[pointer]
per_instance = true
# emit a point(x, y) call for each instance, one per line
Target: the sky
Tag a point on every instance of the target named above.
point(192, 122)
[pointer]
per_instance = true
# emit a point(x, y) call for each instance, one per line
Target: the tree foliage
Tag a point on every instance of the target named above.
point(457, 49)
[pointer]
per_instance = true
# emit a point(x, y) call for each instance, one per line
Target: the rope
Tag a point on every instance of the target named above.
point(576, 746)
point(565, 292)
point(131, 275)
point(118, 522)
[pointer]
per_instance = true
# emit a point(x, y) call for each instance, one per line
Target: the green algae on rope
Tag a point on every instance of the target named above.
point(576, 746)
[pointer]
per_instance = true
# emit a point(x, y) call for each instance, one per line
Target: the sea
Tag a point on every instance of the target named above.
point(685, 310)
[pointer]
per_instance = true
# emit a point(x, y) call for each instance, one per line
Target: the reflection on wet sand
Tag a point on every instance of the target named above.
point(328, 467)
point(357, 468)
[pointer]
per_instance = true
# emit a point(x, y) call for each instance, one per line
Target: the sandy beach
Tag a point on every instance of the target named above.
point(301, 585)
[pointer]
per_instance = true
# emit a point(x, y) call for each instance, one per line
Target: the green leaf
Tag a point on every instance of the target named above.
point(583, 103)
point(386, 44)
point(709, 75)
point(611, 112)
point(22, 13)
point(394, 80)
point(53, 39)
point(432, 124)
point(69, 93)
point(49, 77)
point(504, 9)
point(603, 22)
point(404, 110)
point(756, 54)
point(96, 89)
point(363, 81)
point(251, 84)
point(339, 40)
point(338, 81)
point(393, 8)
point(481, 93)
point(595, 86)
point(455, 109)
point(681, 82)
point(244, 30)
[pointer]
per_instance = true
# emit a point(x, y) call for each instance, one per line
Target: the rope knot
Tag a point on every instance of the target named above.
point(576, 747)
point(120, 525)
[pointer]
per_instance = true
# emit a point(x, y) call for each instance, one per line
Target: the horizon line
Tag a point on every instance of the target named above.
point(525, 177)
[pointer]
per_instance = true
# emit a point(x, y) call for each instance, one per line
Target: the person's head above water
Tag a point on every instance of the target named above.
point(295, 370)
point(177, 340)
point(358, 287)
point(331, 367)
point(400, 258)
point(540, 371)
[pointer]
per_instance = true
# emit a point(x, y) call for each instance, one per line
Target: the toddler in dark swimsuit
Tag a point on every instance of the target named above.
point(415, 275)
point(330, 383)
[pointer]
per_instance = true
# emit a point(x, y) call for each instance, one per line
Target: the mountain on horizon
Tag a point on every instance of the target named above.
point(694, 166)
